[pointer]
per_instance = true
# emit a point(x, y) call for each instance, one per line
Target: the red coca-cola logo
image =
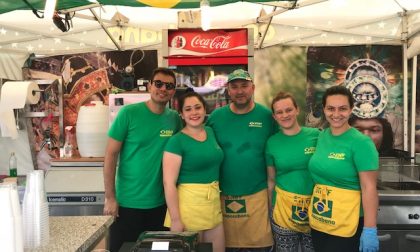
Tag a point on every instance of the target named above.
point(178, 42)
point(218, 42)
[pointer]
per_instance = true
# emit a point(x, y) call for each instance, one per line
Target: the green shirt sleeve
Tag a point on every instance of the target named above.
point(174, 145)
point(365, 155)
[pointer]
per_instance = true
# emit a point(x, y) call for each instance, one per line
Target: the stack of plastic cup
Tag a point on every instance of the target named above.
point(10, 219)
point(35, 212)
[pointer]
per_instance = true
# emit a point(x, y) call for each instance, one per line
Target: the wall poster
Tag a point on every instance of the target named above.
point(374, 76)
point(86, 77)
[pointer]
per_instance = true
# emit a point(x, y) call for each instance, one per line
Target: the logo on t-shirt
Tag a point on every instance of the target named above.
point(166, 133)
point(337, 156)
point(309, 150)
point(255, 124)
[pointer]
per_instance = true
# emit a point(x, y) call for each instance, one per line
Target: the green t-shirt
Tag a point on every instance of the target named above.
point(243, 138)
point(338, 160)
point(290, 156)
point(143, 135)
point(200, 160)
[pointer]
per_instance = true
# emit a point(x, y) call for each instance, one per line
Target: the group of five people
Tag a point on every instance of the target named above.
point(214, 173)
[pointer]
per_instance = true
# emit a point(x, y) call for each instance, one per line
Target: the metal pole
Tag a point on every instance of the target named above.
point(413, 110)
point(266, 30)
point(105, 29)
point(405, 80)
point(405, 95)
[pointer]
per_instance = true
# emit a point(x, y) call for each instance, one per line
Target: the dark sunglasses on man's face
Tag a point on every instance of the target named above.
point(168, 85)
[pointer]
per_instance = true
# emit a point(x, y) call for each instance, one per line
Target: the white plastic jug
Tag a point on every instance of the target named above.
point(91, 129)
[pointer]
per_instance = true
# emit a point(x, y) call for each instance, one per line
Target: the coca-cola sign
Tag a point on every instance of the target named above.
point(219, 42)
point(214, 43)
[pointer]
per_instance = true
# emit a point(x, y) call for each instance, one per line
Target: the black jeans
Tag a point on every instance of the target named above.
point(132, 222)
point(330, 243)
point(265, 249)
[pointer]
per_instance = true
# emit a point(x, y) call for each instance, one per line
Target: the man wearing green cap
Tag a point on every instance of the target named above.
point(242, 129)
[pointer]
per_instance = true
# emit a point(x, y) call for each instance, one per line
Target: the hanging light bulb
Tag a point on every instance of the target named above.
point(205, 15)
point(49, 9)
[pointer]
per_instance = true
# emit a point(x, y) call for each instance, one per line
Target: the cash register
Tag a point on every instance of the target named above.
point(167, 241)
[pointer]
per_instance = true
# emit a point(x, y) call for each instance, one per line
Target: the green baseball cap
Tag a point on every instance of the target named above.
point(239, 74)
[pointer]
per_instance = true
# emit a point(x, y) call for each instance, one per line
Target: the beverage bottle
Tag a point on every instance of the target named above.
point(68, 147)
point(13, 165)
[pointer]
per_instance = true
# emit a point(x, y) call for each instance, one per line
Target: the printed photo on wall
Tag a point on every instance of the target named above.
point(85, 78)
point(90, 76)
point(374, 76)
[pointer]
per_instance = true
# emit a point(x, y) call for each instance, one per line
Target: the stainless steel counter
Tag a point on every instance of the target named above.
point(399, 207)
point(75, 186)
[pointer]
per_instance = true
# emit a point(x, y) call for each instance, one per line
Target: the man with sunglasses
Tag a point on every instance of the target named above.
point(134, 192)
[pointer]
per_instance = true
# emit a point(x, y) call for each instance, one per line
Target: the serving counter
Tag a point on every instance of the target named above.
point(76, 233)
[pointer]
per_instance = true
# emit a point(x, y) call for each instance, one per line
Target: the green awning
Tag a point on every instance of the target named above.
point(11, 5)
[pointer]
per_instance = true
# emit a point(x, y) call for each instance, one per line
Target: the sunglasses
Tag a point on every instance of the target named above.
point(168, 85)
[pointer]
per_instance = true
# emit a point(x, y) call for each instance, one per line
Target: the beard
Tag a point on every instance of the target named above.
point(242, 105)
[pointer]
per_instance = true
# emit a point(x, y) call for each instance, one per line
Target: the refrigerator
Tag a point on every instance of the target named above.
point(203, 59)
point(117, 101)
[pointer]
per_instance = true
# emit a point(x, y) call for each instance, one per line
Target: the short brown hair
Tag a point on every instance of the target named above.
point(281, 96)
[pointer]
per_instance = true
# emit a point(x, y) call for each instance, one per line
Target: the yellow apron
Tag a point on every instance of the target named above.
point(335, 210)
point(199, 206)
point(246, 221)
point(291, 211)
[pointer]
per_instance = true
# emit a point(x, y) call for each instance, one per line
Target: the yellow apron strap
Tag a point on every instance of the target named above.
point(213, 186)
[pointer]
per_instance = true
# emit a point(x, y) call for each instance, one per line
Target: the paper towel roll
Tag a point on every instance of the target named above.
point(14, 95)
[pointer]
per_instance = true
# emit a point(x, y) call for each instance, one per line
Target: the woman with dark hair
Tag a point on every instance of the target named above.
point(344, 168)
point(379, 130)
point(191, 164)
